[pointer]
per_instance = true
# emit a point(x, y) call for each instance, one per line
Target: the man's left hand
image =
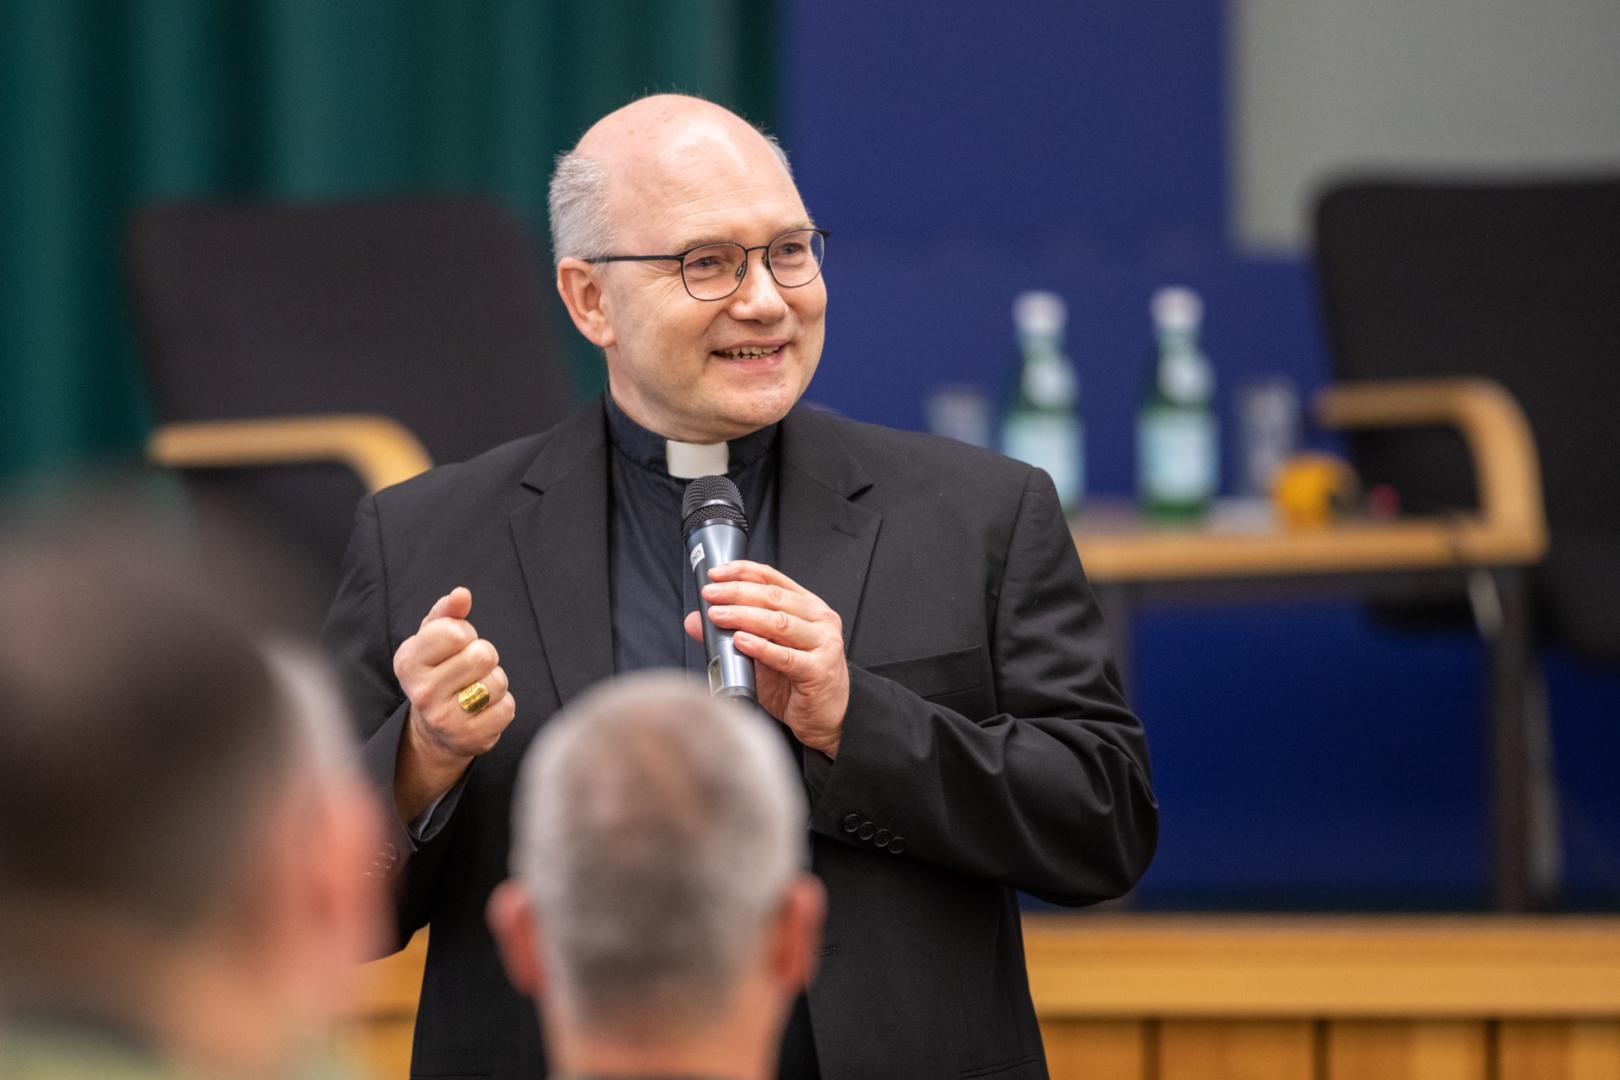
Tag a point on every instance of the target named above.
point(796, 642)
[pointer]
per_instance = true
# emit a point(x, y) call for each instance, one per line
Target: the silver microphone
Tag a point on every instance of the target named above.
point(716, 531)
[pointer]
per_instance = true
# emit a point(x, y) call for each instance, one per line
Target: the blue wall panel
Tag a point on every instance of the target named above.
point(963, 152)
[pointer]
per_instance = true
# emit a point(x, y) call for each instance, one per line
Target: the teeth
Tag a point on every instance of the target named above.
point(742, 354)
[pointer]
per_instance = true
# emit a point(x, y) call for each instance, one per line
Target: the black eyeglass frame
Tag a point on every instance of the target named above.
point(742, 267)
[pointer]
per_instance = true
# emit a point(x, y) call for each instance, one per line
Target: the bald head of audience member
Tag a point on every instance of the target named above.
point(659, 908)
point(182, 835)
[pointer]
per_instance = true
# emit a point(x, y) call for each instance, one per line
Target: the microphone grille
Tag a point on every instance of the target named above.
point(712, 498)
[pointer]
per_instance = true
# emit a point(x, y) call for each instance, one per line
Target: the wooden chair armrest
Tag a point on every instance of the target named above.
point(1507, 468)
point(381, 451)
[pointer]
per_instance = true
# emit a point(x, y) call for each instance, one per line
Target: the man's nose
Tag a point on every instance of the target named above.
point(758, 298)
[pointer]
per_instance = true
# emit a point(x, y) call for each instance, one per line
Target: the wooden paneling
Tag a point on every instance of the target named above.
point(378, 1048)
point(1469, 968)
point(375, 1039)
point(393, 983)
point(1098, 1049)
point(1236, 1050)
point(1337, 998)
point(1132, 997)
point(1550, 1050)
point(1395, 1050)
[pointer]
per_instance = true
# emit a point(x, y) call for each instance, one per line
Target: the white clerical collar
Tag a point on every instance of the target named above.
point(686, 461)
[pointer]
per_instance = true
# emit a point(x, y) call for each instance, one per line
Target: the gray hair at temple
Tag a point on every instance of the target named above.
point(578, 202)
point(656, 831)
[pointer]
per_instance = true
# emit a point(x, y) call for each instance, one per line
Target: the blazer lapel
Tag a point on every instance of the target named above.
point(562, 545)
point(824, 540)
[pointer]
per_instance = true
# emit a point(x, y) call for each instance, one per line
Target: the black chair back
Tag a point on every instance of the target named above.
point(433, 312)
point(1517, 282)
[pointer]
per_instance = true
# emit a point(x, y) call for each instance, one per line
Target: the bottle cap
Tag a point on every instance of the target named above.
point(1177, 308)
point(1039, 314)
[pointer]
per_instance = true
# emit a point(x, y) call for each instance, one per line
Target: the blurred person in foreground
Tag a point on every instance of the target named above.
point(914, 607)
point(659, 908)
point(182, 831)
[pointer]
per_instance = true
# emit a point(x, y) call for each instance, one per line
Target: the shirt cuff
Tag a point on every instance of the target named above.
point(432, 820)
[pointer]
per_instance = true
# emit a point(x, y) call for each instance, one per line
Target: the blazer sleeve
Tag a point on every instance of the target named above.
point(1052, 794)
point(357, 636)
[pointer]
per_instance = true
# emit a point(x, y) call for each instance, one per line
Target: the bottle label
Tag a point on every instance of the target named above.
point(1050, 442)
point(1176, 449)
point(1185, 377)
point(1048, 381)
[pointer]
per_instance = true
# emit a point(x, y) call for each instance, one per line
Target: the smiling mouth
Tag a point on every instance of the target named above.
point(752, 352)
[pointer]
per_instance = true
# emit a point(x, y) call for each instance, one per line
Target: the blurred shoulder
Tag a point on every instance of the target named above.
point(497, 476)
point(894, 456)
point(498, 467)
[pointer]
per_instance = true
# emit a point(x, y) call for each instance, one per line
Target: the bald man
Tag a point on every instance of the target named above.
point(659, 909)
point(915, 609)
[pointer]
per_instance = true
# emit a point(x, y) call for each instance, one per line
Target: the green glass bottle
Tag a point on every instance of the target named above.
point(1177, 450)
point(1042, 425)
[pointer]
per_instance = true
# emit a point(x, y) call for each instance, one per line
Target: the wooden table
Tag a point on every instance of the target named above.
point(1241, 553)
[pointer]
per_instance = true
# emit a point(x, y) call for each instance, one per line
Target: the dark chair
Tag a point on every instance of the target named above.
point(299, 355)
point(1519, 284)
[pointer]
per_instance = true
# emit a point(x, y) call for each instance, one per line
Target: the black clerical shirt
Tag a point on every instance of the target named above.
point(651, 588)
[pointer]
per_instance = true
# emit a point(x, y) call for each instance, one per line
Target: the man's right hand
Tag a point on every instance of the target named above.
point(433, 665)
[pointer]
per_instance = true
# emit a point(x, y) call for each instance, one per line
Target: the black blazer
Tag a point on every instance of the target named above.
point(986, 748)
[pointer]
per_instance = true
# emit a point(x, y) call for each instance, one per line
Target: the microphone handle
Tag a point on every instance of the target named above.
point(731, 674)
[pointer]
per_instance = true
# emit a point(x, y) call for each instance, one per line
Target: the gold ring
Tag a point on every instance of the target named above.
point(473, 698)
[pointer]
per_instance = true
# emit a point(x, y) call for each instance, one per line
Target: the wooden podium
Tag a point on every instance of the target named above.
point(1262, 997)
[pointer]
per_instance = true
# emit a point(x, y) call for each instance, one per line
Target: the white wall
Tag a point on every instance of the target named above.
point(1318, 87)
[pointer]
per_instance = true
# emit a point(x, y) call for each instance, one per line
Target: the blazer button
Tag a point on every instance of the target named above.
point(867, 829)
point(852, 822)
point(882, 838)
point(897, 845)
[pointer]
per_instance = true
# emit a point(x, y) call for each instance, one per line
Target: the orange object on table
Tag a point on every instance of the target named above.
point(1312, 488)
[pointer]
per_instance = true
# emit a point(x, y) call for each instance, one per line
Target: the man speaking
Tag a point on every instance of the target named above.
point(915, 610)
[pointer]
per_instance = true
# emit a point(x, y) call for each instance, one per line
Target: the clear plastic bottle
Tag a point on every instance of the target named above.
point(1041, 425)
point(1177, 442)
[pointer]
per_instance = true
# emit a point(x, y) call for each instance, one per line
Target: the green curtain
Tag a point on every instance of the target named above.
point(105, 104)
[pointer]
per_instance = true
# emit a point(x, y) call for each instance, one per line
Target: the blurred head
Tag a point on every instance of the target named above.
point(660, 176)
point(183, 824)
point(658, 867)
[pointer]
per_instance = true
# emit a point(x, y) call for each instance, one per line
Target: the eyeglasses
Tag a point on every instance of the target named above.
point(715, 271)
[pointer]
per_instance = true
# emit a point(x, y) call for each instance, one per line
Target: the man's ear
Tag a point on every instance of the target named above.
point(343, 914)
point(359, 905)
point(307, 914)
point(796, 932)
point(583, 296)
point(516, 926)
